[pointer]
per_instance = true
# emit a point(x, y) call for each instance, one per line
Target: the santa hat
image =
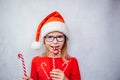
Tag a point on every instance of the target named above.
point(53, 22)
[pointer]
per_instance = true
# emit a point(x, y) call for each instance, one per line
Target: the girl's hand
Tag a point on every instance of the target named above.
point(26, 78)
point(57, 74)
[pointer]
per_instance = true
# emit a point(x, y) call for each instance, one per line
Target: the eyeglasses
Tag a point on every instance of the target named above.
point(50, 38)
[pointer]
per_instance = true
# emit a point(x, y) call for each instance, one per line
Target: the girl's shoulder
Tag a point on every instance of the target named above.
point(37, 58)
point(72, 60)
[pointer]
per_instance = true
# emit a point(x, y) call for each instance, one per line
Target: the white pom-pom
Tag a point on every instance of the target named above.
point(36, 45)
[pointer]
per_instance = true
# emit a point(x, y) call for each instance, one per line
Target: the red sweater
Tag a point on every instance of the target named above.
point(41, 67)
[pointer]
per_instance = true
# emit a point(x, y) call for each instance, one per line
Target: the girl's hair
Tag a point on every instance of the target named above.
point(64, 51)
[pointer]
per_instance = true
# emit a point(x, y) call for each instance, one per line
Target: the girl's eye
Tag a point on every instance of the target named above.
point(60, 36)
point(49, 36)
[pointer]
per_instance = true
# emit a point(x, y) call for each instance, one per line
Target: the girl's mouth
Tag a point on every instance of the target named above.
point(55, 48)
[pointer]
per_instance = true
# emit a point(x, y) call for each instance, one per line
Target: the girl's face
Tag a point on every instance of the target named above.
point(54, 39)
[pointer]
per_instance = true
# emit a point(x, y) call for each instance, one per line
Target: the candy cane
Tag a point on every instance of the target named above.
point(23, 64)
point(42, 66)
point(65, 66)
point(53, 54)
point(55, 48)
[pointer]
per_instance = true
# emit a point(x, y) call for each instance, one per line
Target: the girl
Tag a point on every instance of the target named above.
point(54, 63)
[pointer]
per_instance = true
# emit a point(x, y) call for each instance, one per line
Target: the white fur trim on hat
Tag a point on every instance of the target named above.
point(54, 26)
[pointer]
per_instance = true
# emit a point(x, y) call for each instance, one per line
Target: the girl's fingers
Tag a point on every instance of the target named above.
point(56, 70)
point(57, 74)
point(26, 78)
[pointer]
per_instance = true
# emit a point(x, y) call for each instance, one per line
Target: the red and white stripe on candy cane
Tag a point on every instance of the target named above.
point(20, 56)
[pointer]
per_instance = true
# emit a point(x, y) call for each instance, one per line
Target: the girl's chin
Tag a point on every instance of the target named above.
point(55, 52)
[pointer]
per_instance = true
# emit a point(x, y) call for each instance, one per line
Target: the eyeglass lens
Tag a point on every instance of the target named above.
point(51, 38)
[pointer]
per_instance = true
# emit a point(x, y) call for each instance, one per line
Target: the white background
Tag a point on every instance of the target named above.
point(95, 35)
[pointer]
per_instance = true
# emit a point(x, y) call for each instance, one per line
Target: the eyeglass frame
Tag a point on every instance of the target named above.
point(56, 38)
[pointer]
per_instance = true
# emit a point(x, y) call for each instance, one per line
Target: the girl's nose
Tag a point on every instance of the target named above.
point(55, 40)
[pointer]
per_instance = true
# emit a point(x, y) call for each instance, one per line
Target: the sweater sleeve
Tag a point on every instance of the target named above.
point(75, 72)
point(34, 74)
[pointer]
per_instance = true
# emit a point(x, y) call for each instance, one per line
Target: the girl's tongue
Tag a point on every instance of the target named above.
point(55, 50)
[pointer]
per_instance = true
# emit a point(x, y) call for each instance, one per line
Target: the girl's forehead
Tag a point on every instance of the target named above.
point(55, 33)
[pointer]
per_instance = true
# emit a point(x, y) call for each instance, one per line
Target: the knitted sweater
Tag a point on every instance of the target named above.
point(41, 67)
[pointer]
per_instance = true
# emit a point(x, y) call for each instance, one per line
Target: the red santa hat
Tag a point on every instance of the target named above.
point(53, 22)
